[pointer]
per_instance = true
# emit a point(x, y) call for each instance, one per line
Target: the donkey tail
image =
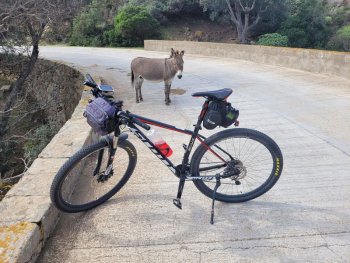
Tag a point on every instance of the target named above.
point(132, 77)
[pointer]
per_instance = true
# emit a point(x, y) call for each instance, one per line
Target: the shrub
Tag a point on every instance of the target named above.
point(306, 26)
point(88, 26)
point(274, 39)
point(41, 136)
point(341, 40)
point(133, 25)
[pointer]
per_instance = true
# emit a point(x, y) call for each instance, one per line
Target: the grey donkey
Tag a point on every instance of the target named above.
point(156, 70)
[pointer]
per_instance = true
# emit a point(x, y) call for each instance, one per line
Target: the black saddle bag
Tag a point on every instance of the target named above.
point(220, 113)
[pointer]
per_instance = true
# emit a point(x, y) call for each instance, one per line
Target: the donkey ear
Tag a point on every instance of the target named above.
point(172, 53)
point(182, 52)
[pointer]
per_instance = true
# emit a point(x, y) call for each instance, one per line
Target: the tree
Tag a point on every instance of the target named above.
point(134, 24)
point(165, 9)
point(91, 23)
point(22, 25)
point(306, 26)
point(340, 40)
point(244, 15)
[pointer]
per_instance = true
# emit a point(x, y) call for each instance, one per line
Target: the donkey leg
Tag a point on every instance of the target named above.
point(136, 86)
point(140, 94)
point(167, 92)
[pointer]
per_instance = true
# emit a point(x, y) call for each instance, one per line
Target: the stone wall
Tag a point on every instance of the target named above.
point(53, 85)
point(27, 215)
point(317, 61)
point(60, 86)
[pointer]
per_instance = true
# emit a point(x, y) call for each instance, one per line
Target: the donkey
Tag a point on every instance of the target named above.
point(156, 70)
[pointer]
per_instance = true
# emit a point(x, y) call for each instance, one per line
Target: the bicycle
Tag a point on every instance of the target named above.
point(244, 162)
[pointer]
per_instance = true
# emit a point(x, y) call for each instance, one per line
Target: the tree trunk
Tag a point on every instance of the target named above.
point(17, 88)
point(239, 33)
point(236, 12)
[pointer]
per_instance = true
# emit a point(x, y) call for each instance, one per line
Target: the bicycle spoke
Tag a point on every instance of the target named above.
point(253, 160)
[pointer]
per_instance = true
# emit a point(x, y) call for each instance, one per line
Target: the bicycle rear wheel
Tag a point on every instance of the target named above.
point(253, 164)
point(85, 181)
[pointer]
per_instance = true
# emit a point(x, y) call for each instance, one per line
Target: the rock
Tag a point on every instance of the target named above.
point(5, 88)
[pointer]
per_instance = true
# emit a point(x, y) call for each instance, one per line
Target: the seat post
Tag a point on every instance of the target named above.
point(194, 135)
point(203, 111)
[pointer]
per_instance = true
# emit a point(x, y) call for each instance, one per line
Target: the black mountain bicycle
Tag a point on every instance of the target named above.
point(233, 165)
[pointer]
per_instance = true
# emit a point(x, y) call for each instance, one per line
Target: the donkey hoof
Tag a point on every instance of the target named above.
point(167, 103)
point(137, 101)
point(141, 99)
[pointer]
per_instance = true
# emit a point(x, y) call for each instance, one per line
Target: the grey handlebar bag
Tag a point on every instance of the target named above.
point(100, 116)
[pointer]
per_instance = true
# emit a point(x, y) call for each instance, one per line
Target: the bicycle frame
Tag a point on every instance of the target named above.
point(183, 173)
point(233, 168)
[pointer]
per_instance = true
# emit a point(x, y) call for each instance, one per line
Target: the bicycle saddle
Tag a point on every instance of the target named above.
point(220, 94)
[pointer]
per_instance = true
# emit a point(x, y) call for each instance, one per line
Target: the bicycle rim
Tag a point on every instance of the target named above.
point(254, 157)
point(83, 184)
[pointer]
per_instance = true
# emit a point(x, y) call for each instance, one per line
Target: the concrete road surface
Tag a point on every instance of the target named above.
point(304, 218)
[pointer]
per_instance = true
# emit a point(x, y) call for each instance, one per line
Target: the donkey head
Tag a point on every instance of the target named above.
point(178, 61)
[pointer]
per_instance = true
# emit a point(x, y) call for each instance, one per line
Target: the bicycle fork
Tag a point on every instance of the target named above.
point(112, 143)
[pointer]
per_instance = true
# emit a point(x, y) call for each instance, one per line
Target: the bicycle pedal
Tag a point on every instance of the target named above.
point(177, 203)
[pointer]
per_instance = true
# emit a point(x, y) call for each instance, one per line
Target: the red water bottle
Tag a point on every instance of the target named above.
point(159, 143)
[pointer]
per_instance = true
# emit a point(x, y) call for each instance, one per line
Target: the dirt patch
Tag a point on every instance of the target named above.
point(198, 29)
point(177, 91)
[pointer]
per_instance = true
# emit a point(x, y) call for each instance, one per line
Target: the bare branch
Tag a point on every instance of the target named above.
point(232, 14)
point(247, 9)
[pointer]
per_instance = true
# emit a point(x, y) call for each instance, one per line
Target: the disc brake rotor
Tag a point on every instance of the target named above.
point(105, 175)
point(235, 170)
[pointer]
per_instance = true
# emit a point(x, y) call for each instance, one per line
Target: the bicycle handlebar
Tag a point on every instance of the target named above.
point(91, 83)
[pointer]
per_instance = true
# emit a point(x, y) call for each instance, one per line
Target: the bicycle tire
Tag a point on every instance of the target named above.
point(267, 146)
point(78, 164)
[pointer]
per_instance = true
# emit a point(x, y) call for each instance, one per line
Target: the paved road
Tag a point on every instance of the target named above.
point(305, 217)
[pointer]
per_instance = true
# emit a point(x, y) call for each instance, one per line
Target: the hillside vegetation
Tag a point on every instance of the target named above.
point(295, 23)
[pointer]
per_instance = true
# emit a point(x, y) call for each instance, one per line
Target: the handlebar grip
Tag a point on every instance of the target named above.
point(141, 124)
point(90, 84)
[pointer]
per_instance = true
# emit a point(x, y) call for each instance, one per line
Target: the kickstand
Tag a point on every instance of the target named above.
point(218, 183)
point(177, 200)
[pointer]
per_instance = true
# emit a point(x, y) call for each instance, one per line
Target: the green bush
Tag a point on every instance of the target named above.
point(133, 25)
point(274, 39)
point(88, 27)
point(344, 32)
point(165, 9)
point(112, 38)
point(306, 26)
point(41, 136)
point(341, 40)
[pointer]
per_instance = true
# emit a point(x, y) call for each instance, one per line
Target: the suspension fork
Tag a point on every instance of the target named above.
point(112, 148)
point(98, 163)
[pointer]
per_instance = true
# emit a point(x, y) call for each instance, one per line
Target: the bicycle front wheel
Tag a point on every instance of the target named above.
point(86, 180)
point(248, 163)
